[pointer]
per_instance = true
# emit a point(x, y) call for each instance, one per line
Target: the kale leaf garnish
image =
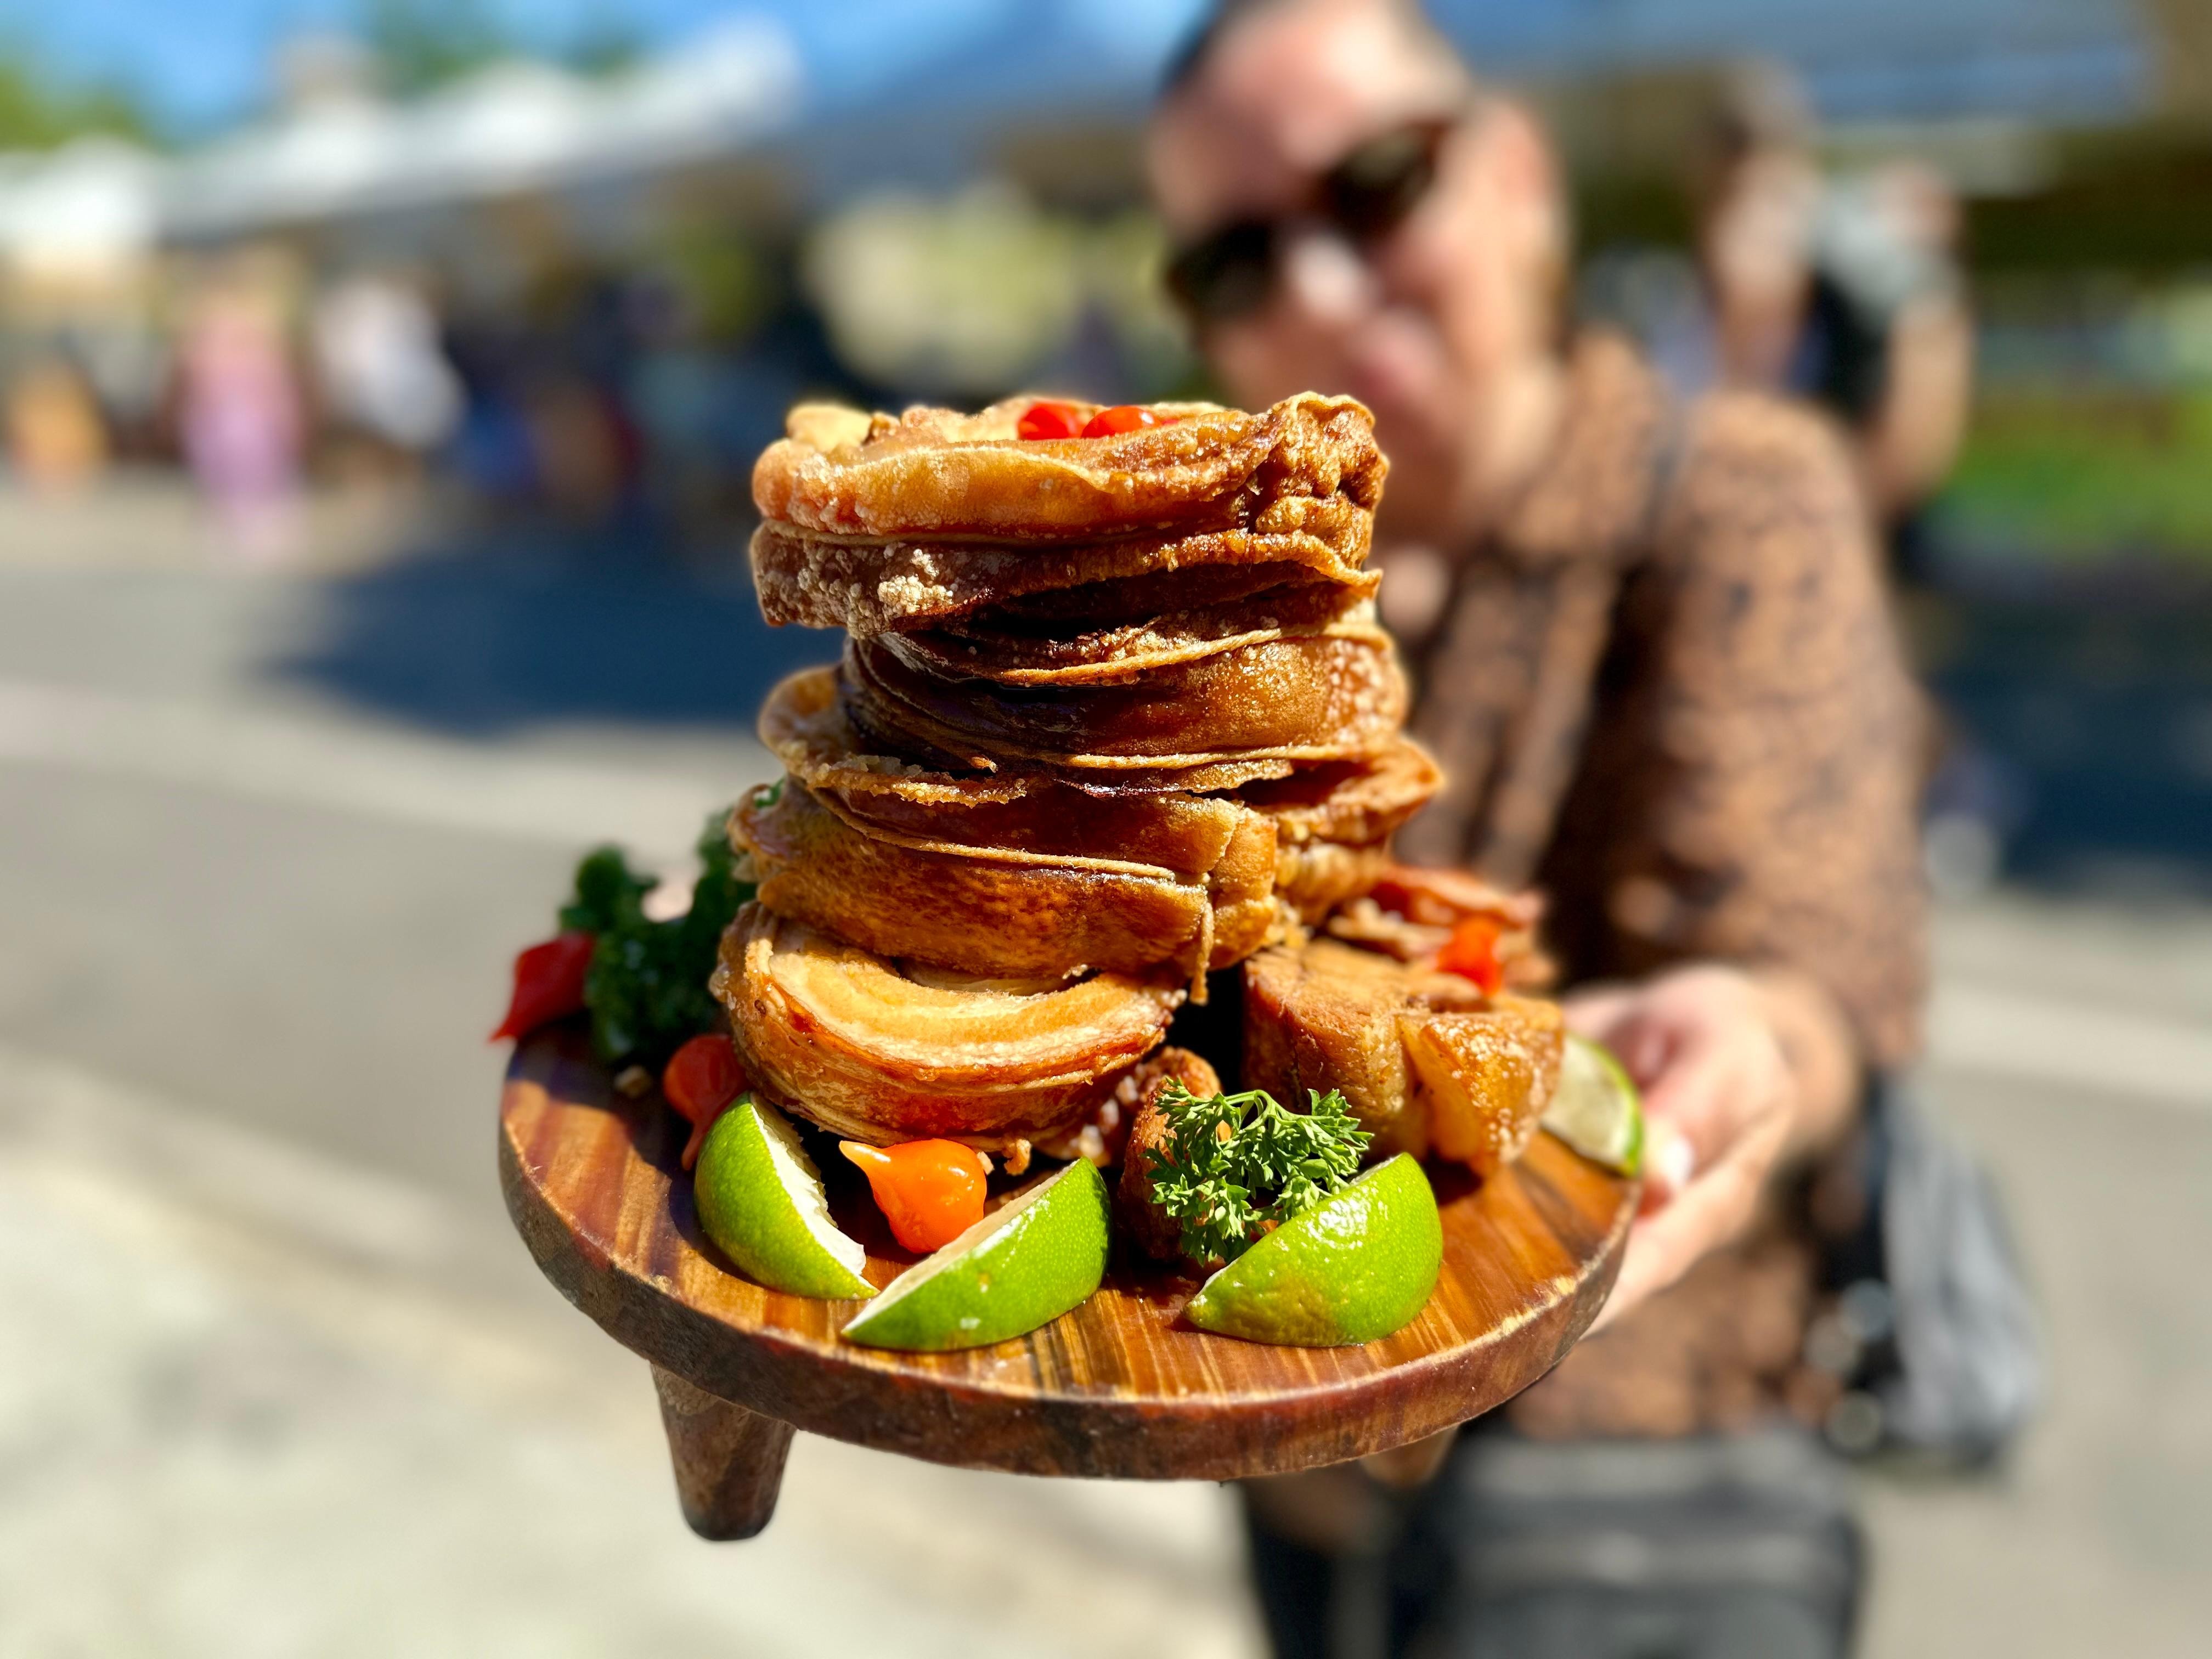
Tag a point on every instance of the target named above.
point(647, 986)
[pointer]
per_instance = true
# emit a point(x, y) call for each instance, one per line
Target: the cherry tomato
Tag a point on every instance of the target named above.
point(1472, 952)
point(1125, 417)
point(930, 1191)
point(549, 983)
point(701, 1080)
point(1050, 420)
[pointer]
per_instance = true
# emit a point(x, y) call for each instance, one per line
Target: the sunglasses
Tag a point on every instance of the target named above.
point(1230, 272)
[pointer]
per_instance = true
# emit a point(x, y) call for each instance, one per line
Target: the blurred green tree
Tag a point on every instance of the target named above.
point(421, 44)
point(36, 115)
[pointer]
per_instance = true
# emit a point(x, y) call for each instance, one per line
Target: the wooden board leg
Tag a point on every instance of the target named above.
point(1404, 1469)
point(729, 1461)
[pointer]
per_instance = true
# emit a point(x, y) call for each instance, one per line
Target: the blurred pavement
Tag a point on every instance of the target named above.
point(279, 1379)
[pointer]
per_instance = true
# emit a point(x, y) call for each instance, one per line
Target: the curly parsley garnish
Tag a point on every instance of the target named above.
point(1235, 1165)
point(647, 986)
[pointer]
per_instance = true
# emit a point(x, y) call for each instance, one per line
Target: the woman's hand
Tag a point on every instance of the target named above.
point(1720, 1103)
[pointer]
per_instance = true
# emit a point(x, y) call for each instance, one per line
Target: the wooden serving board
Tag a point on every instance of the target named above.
point(1121, 1386)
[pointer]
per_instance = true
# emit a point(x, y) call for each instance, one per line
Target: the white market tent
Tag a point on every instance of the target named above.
point(85, 210)
point(513, 128)
point(919, 94)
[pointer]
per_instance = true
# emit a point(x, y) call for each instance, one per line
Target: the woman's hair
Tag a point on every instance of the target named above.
point(1223, 17)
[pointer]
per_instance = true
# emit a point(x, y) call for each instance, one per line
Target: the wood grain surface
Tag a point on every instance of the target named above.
point(1121, 1386)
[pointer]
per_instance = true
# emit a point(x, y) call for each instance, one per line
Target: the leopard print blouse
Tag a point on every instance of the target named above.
point(1667, 692)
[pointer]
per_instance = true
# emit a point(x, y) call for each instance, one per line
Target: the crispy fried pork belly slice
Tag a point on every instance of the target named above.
point(873, 585)
point(850, 1041)
point(1409, 913)
point(1313, 877)
point(1047, 911)
point(937, 473)
point(1446, 897)
point(1334, 821)
point(1191, 583)
point(1488, 1075)
point(1022, 651)
point(807, 726)
point(1424, 1061)
point(1159, 1235)
point(1313, 697)
point(1330, 826)
point(1357, 802)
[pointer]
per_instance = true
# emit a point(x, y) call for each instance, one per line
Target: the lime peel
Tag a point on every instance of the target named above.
point(1036, 1256)
point(760, 1198)
point(1596, 1108)
point(1354, 1268)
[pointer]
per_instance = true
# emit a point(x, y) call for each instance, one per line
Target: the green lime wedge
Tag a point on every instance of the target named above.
point(1357, 1266)
point(1038, 1255)
point(760, 1198)
point(1597, 1109)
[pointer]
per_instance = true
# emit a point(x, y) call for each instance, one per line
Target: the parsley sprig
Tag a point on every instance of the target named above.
point(1233, 1166)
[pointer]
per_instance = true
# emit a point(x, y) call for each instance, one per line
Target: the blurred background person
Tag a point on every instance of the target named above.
point(56, 437)
point(240, 414)
point(381, 371)
point(1845, 292)
point(1654, 660)
point(267, 841)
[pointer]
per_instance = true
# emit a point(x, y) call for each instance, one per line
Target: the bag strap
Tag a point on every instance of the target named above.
point(1541, 751)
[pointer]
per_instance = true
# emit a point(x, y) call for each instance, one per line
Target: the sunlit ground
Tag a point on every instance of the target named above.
point(279, 1380)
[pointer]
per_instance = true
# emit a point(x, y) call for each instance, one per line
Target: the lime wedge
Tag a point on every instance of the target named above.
point(1595, 1109)
point(760, 1198)
point(1038, 1255)
point(1357, 1266)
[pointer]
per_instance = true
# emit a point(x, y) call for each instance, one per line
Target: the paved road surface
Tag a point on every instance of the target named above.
point(279, 1381)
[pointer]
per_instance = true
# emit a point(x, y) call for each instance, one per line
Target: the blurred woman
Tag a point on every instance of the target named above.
point(1653, 656)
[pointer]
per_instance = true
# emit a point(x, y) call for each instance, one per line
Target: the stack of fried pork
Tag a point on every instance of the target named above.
point(1112, 712)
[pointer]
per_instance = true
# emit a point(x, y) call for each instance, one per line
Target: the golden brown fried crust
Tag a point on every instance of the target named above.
point(809, 725)
point(872, 584)
point(1324, 696)
point(805, 724)
point(1357, 802)
point(1008, 913)
point(1488, 1075)
point(1424, 1059)
point(1148, 815)
point(846, 1040)
point(1325, 1017)
point(1013, 651)
point(1157, 1234)
point(1314, 876)
point(1034, 877)
point(934, 473)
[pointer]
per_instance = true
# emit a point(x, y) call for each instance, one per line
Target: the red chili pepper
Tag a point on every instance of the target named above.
point(1125, 417)
point(700, 1081)
point(1050, 420)
point(549, 983)
point(930, 1191)
point(1472, 952)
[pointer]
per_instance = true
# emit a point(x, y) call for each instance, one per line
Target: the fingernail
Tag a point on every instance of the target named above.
point(1676, 1161)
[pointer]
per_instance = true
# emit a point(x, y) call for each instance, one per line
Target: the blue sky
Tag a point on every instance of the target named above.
point(198, 64)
